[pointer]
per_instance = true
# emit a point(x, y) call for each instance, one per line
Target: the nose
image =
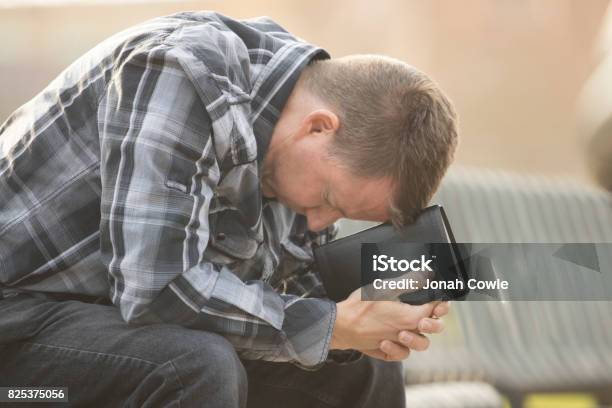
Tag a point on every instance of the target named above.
point(319, 219)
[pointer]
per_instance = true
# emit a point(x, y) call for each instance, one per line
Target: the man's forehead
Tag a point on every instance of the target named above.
point(365, 199)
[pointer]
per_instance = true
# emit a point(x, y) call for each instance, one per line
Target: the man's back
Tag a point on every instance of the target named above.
point(52, 201)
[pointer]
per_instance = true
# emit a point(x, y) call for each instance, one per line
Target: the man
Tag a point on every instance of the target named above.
point(159, 203)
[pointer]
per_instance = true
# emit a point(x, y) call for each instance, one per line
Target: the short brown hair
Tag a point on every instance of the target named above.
point(394, 122)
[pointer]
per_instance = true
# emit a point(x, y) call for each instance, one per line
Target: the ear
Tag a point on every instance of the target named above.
point(321, 121)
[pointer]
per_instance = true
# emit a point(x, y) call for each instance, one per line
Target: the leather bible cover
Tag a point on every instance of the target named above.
point(339, 263)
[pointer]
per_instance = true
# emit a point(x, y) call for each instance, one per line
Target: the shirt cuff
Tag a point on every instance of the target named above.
point(308, 325)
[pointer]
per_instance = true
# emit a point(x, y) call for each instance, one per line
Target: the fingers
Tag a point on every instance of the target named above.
point(414, 341)
point(394, 351)
point(424, 318)
point(408, 316)
point(375, 354)
point(441, 309)
point(430, 325)
point(389, 351)
point(419, 317)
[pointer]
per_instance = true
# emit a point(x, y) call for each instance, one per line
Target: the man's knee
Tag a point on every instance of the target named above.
point(205, 353)
point(376, 383)
point(206, 366)
point(381, 383)
point(218, 357)
point(380, 373)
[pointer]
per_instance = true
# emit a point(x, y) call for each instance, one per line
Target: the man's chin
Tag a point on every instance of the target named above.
point(290, 206)
point(268, 191)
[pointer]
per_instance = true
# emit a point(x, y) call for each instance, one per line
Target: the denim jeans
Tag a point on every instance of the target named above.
point(88, 348)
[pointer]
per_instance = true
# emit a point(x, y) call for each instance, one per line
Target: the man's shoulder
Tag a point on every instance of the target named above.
point(233, 51)
point(246, 30)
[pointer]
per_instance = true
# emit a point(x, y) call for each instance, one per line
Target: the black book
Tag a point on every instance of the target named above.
point(346, 264)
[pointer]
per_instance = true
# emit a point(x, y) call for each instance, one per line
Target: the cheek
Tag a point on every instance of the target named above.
point(297, 183)
point(301, 193)
point(299, 190)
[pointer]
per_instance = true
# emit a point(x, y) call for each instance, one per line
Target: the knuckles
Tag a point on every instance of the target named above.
point(423, 344)
point(411, 322)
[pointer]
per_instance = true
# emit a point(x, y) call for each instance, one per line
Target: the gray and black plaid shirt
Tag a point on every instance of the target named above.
point(135, 176)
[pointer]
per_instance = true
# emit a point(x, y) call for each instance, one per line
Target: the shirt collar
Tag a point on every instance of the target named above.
point(273, 88)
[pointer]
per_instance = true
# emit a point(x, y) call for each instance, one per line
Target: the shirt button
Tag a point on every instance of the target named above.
point(220, 236)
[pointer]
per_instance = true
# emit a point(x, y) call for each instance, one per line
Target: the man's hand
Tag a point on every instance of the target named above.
point(385, 330)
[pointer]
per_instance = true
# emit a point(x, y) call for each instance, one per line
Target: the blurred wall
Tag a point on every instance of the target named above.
point(513, 68)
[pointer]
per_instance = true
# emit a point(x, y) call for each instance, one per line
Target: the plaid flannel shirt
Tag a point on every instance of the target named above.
point(135, 176)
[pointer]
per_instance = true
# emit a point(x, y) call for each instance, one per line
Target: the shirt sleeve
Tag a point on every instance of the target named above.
point(158, 175)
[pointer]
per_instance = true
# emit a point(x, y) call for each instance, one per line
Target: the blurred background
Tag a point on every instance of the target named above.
point(513, 68)
point(532, 82)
